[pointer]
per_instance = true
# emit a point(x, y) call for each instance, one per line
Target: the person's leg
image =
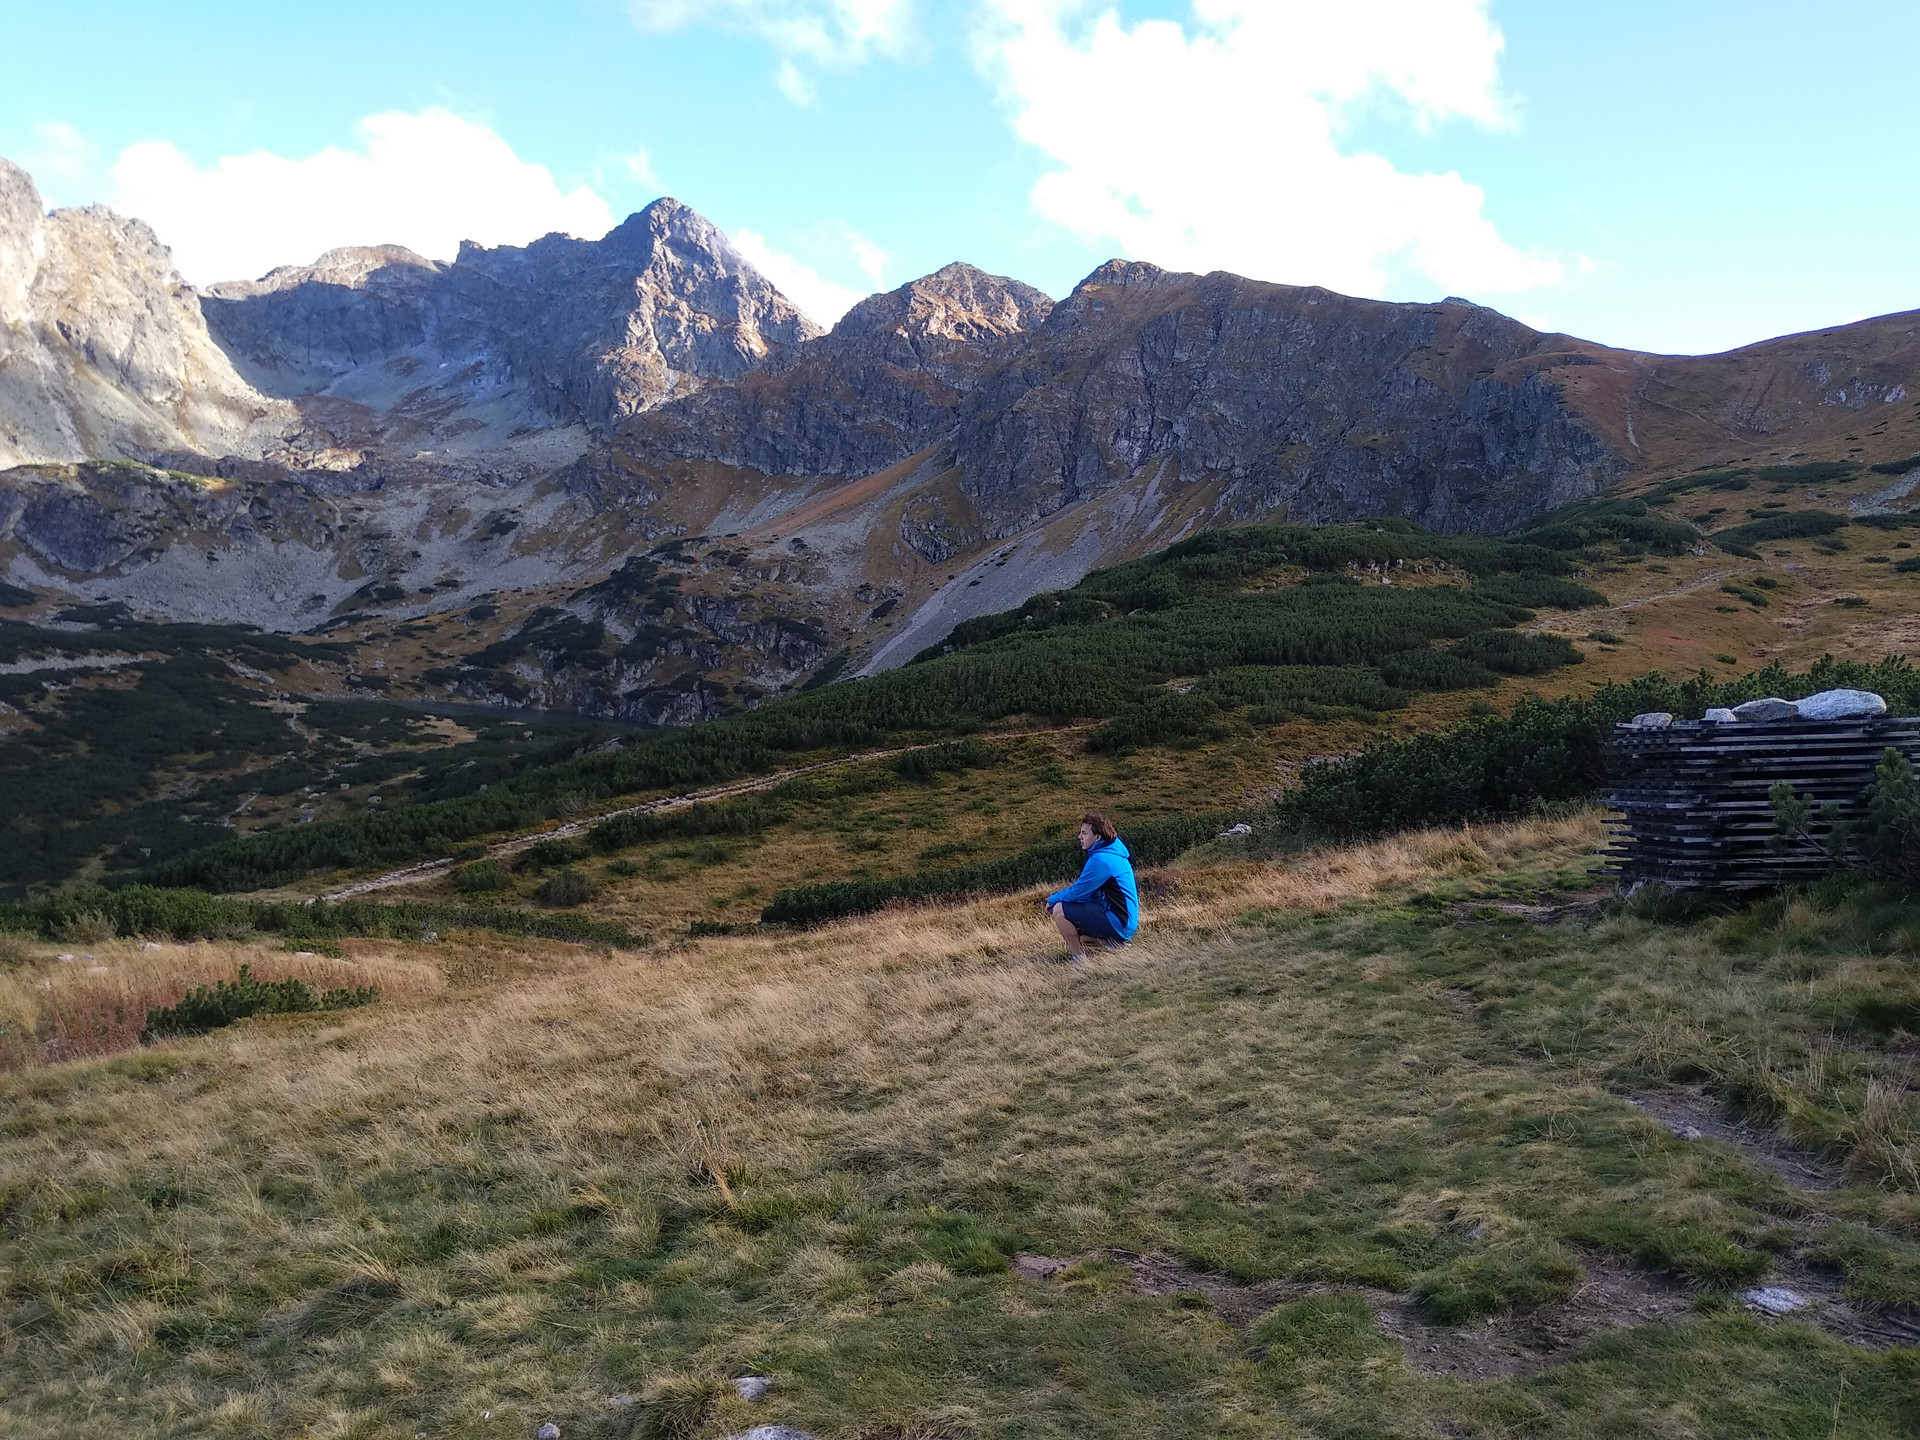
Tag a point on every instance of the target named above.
point(1076, 947)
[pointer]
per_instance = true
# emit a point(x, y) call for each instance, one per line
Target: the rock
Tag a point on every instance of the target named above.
point(1652, 720)
point(1841, 705)
point(149, 945)
point(1719, 716)
point(1688, 1132)
point(548, 1431)
point(1771, 708)
point(104, 352)
point(752, 1387)
point(622, 1402)
point(1038, 1267)
point(565, 329)
point(771, 1432)
point(1236, 832)
point(1775, 1300)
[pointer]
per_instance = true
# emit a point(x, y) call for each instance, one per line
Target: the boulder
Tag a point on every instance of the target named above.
point(1720, 717)
point(1841, 705)
point(752, 1387)
point(1771, 708)
point(1775, 1300)
point(1652, 720)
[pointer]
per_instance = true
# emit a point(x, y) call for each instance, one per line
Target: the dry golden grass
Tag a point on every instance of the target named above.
point(65, 1001)
point(642, 1172)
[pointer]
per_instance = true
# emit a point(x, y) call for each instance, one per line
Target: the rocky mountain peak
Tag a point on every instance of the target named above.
point(958, 302)
point(352, 266)
point(104, 352)
point(394, 353)
point(20, 219)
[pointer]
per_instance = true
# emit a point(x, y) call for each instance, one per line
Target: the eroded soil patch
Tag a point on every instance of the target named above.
point(1696, 1115)
point(1616, 1296)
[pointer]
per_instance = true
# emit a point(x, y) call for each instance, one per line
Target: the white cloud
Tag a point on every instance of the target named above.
point(426, 181)
point(869, 257)
point(823, 300)
point(57, 156)
point(824, 34)
point(639, 169)
point(1216, 144)
point(793, 83)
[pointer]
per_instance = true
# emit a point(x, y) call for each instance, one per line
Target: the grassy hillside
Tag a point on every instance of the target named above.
point(1347, 1147)
point(1349, 625)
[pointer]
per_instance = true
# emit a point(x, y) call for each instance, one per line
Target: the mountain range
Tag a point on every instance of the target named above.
point(629, 476)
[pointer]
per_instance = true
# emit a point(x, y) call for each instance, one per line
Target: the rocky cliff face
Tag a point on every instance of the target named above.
point(396, 354)
point(103, 351)
point(393, 440)
point(886, 381)
point(1300, 401)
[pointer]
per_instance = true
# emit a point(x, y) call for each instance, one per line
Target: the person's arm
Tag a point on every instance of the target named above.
point(1093, 875)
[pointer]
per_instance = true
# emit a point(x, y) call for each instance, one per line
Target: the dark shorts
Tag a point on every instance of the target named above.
point(1093, 920)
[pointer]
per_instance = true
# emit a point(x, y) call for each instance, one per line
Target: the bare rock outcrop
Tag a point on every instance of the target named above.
point(1298, 401)
point(104, 353)
point(400, 354)
point(886, 381)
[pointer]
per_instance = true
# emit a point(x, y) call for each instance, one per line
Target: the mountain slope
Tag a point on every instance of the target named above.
point(103, 351)
point(393, 354)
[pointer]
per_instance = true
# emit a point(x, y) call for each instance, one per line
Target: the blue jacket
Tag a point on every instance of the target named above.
point(1107, 876)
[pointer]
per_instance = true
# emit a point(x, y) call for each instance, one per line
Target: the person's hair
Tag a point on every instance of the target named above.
point(1099, 824)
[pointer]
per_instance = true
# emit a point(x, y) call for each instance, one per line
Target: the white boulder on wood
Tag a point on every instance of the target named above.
point(1771, 708)
point(1841, 705)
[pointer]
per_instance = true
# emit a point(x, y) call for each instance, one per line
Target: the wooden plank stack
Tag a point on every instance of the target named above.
point(1692, 796)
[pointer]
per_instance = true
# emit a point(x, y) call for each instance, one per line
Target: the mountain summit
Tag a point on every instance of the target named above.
point(393, 353)
point(664, 491)
point(103, 349)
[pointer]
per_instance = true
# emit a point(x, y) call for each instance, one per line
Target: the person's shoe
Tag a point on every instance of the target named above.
point(1076, 957)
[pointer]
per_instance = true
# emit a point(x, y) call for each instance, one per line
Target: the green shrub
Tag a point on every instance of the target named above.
point(1293, 688)
point(1586, 523)
point(1786, 525)
point(1512, 653)
point(549, 855)
point(1160, 719)
point(923, 764)
point(208, 1007)
point(734, 817)
point(1535, 592)
point(566, 887)
point(1434, 670)
point(481, 877)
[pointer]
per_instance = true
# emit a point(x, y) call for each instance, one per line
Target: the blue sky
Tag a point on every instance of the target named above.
point(1687, 176)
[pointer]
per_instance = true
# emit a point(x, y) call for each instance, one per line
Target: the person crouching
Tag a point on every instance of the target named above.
point(1104, 903)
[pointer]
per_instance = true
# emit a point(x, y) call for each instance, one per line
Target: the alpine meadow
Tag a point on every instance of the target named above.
point(585, 856)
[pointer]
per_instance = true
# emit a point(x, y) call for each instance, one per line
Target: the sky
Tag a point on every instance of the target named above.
point(1672, 175)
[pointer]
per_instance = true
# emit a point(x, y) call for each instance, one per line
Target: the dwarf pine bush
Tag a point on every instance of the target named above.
point(208, 1007)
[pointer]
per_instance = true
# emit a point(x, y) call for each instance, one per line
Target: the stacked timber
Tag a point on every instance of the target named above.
point(1692, 795)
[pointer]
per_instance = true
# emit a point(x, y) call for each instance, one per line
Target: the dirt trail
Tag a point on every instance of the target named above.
point(431, 869)
point(1716, 577)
